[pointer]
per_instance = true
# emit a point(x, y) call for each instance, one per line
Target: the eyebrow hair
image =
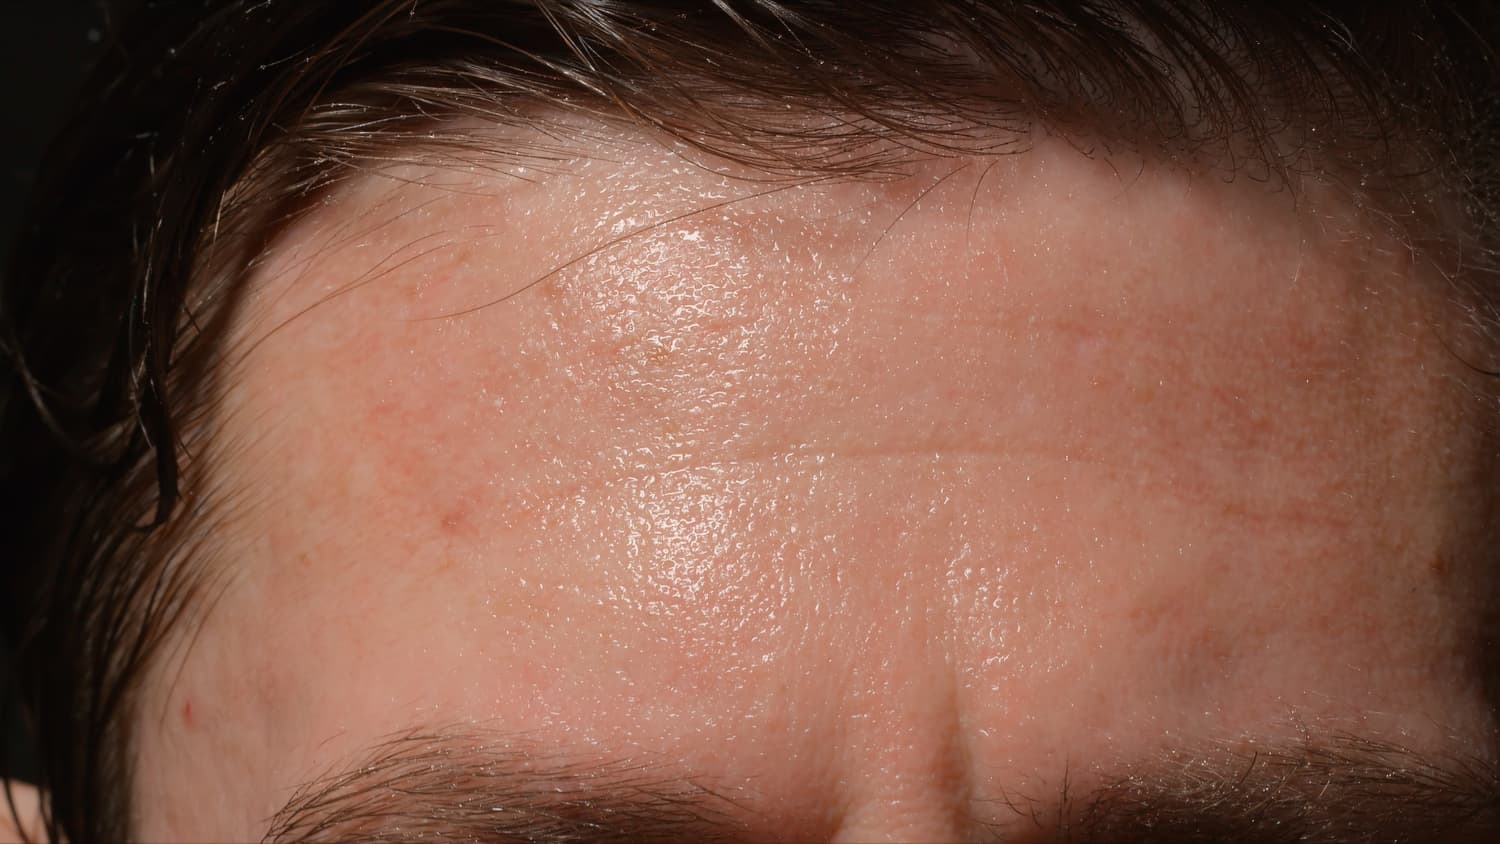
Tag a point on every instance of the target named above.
point(212, 126)
point(1316, 789)
point(1342, 788)
point(465, 786)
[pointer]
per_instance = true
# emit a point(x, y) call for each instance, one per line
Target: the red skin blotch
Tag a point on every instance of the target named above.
point(187, 713)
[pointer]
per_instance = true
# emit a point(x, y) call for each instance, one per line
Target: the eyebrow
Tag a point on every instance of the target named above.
point(1336, 788)
point(457, 786)
point(454, 786)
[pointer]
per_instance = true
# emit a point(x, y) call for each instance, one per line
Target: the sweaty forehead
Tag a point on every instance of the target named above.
point(846, 489)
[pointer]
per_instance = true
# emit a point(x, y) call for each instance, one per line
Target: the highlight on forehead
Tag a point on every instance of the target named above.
point(790, 91)
point(236, 122)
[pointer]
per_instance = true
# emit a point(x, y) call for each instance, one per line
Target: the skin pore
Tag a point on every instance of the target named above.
point(877, 509)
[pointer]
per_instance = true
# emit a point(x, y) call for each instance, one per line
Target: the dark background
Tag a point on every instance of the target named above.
point(46, 47)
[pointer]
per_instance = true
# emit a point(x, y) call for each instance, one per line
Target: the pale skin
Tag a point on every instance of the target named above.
point(871, 505)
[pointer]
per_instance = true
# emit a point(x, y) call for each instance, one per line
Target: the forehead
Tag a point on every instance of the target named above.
point(1038, 456)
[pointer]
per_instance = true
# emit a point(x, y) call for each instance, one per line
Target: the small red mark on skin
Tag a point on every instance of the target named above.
point(1439, 565)
point(187, 713)
point(455, 521)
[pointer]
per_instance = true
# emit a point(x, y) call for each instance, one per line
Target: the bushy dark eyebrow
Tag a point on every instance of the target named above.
point(468, 787)
point(459, 786)
point(1338, 788)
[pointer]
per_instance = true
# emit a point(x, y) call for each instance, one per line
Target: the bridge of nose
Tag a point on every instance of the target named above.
point(906, 767)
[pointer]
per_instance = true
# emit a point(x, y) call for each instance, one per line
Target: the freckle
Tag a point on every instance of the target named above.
point(455, 521)
point(1439, 565)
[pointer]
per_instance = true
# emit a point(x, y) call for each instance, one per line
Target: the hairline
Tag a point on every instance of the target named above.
point(885, 151)
point(344, 156)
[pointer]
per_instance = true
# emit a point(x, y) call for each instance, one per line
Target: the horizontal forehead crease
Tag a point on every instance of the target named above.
point(657, 288)
point(788, 436)
point(638, 453)
point(637, 359)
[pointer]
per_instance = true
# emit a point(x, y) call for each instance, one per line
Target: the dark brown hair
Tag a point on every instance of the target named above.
point(209, 125)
